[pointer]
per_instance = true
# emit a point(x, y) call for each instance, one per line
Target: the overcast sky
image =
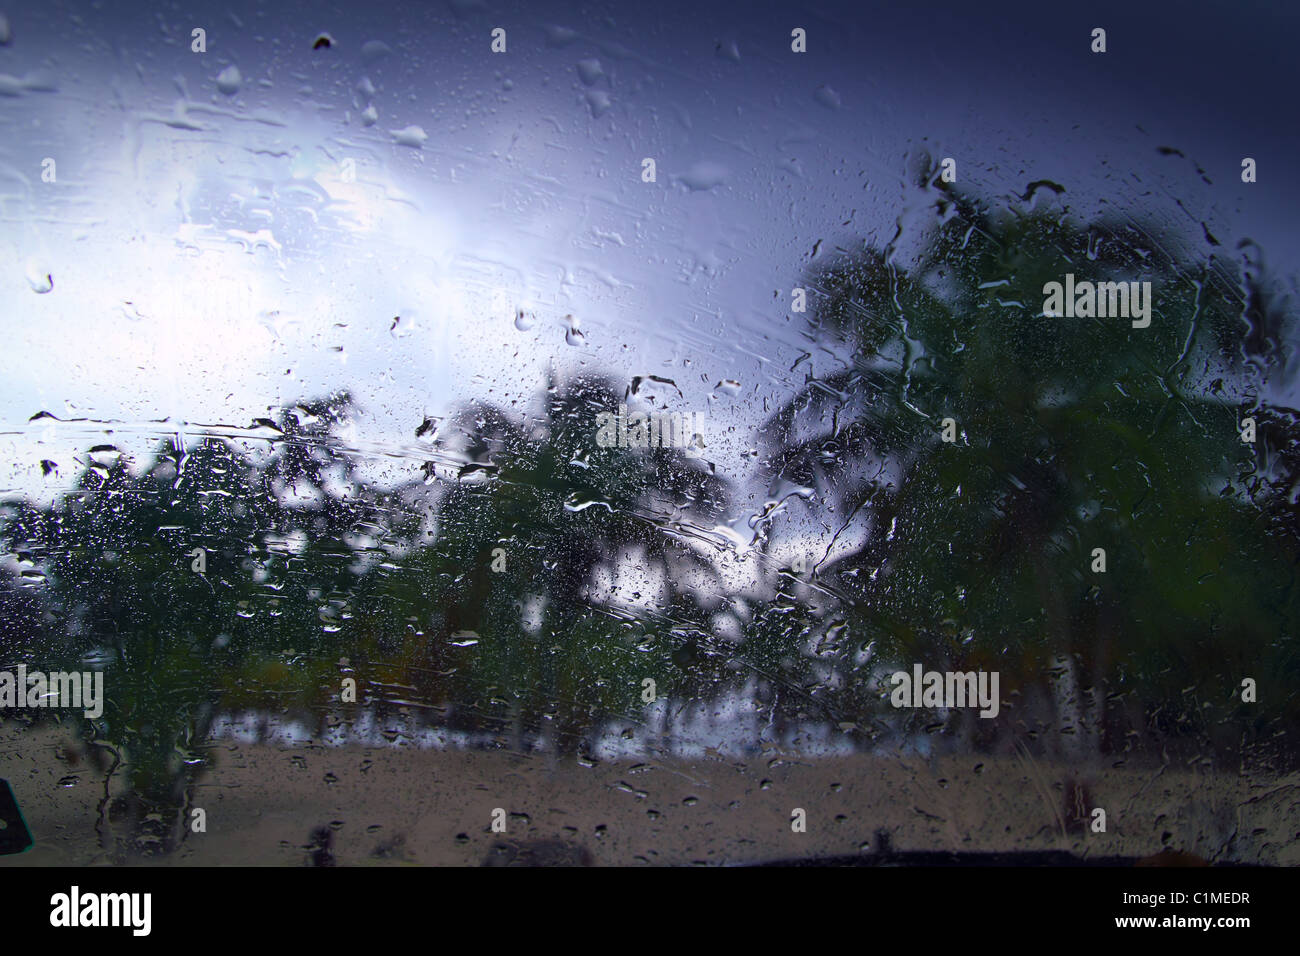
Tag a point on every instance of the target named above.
point(213, 257)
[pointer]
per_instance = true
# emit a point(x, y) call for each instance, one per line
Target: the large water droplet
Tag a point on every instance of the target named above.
point(599, 102)
point(401, 326)
point(40, 280)
point(581, 501)
point(410, 136)
point(572, 334)
point(589, 71)
point(373, 50)
point(229, 80)
point(704, 175)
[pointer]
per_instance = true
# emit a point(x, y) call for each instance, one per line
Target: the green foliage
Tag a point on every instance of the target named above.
point(312, 574)
point(1074, 434)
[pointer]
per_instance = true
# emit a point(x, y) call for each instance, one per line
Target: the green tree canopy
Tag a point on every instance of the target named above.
point(1071, 434)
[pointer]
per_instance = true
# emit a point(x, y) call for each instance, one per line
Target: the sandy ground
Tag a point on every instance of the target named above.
point(394, 806)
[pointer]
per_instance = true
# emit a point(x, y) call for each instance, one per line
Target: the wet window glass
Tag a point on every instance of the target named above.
point(646, 434)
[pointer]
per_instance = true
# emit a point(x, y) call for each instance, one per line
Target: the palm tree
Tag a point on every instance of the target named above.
point(1071, 435)
point(538, 508)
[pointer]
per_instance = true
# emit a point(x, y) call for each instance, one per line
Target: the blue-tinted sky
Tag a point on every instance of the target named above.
point(211, 257)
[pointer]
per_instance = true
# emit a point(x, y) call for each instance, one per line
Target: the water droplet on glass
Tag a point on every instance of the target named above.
point(581, 501)
point(599, 102)
point(589, 71)
point(373, 50)
point(704, 175)
point(40, 281)
point(401, 326)
point(410, 136)
point(560, 36)
point(827, 97)
point(229, 79)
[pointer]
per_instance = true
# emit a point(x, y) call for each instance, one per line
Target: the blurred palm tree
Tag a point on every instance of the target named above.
point(532, 537)
point(1070, 435)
